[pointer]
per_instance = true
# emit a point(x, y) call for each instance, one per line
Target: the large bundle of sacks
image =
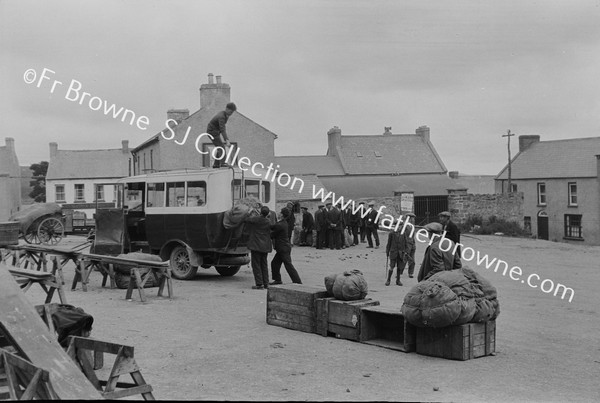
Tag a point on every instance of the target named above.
point(122, 273)
point(453, 297)
point(348, 286)
point(234, 217)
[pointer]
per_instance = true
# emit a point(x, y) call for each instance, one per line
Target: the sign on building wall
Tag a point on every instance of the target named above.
point(407, 201)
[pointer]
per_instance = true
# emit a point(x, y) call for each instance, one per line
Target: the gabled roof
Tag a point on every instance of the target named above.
point(572, 158)
point(88, 164)
point(285, 193)
point(310, 164)
point(357, 187)
point(388, 154)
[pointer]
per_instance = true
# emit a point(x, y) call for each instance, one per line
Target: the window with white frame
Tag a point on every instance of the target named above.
point(60, 193)
point(573, 226)
point(79, 192)
point(100, 192)
point(572, 193)
point(541, 192)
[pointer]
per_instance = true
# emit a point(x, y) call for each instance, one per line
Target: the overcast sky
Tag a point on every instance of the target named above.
point(470, 70)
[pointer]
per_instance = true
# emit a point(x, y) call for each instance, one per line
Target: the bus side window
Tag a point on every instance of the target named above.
point(156, 195)
point(252, 189)
point(236, 186)
point(196, 193)
point(175, 194)
point(266, 191)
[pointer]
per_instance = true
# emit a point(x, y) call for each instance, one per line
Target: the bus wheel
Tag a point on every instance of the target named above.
point(227, 271)
point(180, 264)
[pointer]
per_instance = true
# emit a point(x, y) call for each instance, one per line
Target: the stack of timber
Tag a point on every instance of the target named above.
point(460, 342)
point(293, 306)
point(341, 319)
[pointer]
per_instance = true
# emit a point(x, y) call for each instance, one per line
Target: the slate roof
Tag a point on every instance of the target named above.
point(356, 187)
point(285, 193)
point(572, 158)
point(88, 164)
point(387, 154)
point(310, 164)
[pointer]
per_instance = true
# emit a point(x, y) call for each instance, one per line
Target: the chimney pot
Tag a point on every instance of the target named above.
point(125, 146)
point(210, 78)
point(387, 131)
point(218, 79)
point(423, 131)
point(334, 136)
point(214, 96)
point(453, 174)
point(53, 149)
point(10, 143)
point(178, 114)
point(526, 141)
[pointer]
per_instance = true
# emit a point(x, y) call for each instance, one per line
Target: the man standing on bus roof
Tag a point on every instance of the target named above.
point(216, 128)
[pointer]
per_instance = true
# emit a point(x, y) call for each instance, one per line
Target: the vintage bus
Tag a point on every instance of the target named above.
point(179, 215)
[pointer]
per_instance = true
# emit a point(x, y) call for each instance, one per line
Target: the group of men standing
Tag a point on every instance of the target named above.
point(332, 223)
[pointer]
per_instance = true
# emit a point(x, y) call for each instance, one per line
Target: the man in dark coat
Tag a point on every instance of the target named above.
point(438, 256)
point(283, 250)
point(353, 225)
point(362, 225)
point(259, 243)
point(452, 231)
point(217, 129)
point(308, 224)
point(291, 221)
point(321, 227)
point(334, 220)
point(395, 250)
point(372, 226)
point(410, 246)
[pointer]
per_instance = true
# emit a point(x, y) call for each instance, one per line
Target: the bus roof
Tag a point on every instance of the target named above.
point(189, 172)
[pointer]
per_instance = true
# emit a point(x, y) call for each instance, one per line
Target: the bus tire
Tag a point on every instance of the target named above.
point(181, 268)
point(227, 271)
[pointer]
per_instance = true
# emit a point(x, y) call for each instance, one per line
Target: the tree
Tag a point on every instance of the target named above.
point(38, 193)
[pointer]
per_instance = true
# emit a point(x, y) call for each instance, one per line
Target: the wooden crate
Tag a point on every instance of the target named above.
point(293, 306)
point(462, 342)
point(341, 318)
point(386, 327)
point(9, 233)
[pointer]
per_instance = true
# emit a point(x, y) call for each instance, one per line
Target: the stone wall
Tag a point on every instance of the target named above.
point(504, 206)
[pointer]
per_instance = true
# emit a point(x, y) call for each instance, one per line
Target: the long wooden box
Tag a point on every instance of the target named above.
point(386, 327)
point(462, 342)
point(293, 306)
point(341, 319)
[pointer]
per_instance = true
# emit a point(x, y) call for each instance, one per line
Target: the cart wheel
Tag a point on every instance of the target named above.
point(51, 231)
point(31, 236)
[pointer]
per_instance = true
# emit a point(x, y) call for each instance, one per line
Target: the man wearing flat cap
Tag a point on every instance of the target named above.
point(437, 259)
point(452, 231)
point(308, 224)
point(411, 246)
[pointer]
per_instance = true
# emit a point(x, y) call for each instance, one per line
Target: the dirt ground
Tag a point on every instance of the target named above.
point(211, 342)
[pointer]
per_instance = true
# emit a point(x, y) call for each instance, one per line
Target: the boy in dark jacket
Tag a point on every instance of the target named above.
point(283, 249)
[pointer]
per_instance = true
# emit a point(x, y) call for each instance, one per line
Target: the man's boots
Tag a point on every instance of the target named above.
point(398, 282)
point(389, 278)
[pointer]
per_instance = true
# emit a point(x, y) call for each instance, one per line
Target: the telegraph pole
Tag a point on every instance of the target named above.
point(509, 135)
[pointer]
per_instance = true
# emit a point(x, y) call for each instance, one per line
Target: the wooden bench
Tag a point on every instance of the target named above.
point(49, 281)
point(140, 271)
point(79, 349)
point(21, 380)
point(30, 337)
